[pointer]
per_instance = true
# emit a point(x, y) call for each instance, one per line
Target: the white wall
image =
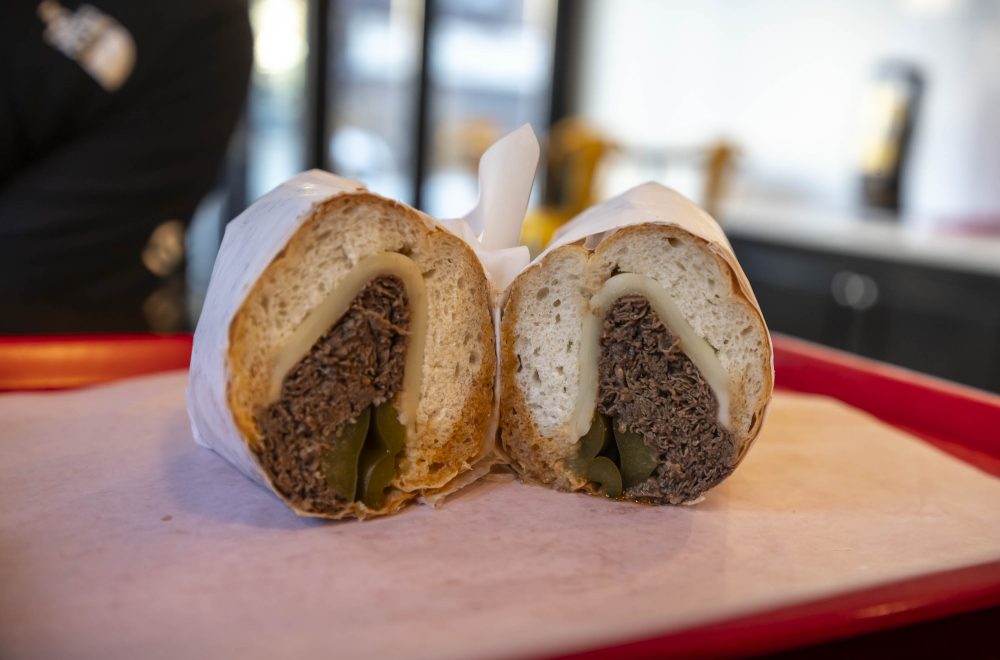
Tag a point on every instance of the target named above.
point(787, 81)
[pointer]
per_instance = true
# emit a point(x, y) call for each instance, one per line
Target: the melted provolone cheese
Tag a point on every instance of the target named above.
point(336, 304)
point(695, 347)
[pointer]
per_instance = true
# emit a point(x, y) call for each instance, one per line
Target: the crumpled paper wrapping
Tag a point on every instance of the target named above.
point(119, 538)
point(257, 235)
point(650, 203)
point(250, 243)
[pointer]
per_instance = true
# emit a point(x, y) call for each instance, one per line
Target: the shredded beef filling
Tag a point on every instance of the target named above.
point(358, 363)
point(648, 385)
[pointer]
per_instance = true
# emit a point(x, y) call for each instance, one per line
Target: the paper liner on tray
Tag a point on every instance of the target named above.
point(257, 235)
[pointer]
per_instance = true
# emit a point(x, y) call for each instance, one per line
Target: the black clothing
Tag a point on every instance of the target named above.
point(86, 174)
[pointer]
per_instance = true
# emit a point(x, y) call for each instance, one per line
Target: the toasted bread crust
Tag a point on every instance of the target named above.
point(518, 431)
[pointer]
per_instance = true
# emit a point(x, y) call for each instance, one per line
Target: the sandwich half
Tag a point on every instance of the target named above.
point(346, 355)
point(635, 362)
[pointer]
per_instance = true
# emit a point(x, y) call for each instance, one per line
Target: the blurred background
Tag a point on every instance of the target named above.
point(850, 148)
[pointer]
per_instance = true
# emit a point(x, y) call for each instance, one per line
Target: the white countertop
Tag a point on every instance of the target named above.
point(853, 234)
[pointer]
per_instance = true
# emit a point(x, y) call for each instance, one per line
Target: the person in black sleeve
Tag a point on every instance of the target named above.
point(115, 117)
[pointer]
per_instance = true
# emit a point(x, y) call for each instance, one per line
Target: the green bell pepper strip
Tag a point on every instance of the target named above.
point(340, 461)
point(591, 444)
point(378, 460)
point(605, 472)
point(637, 461)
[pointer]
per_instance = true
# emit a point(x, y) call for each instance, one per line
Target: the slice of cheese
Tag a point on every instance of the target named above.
point(695, 347)
point(336, 304)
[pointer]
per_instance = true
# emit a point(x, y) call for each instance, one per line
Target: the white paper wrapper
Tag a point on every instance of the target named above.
point(250, 243)
point(652, 203)
point(647, 203)
point(253, 239)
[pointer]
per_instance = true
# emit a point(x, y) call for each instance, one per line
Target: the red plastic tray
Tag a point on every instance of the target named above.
point(959, 420)
point(53, 362)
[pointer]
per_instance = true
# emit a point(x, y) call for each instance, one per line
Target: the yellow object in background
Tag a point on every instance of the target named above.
point(574, 152)
point(539, 226)
point(577, 150)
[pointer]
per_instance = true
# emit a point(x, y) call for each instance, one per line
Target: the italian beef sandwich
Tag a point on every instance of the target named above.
point(345, 357)
point(635, 362)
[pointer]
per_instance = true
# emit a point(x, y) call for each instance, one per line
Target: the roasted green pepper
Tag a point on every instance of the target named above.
point(378, 460)
point(340, 460)
point(388, 428)
point(593, 463)
point(596, 439)
point(636, 460)
point(377, 469)
point(591, 444)
point(603, 470)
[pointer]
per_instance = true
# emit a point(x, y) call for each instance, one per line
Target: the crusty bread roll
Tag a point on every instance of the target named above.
point(639, 312)
point(364, 303)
